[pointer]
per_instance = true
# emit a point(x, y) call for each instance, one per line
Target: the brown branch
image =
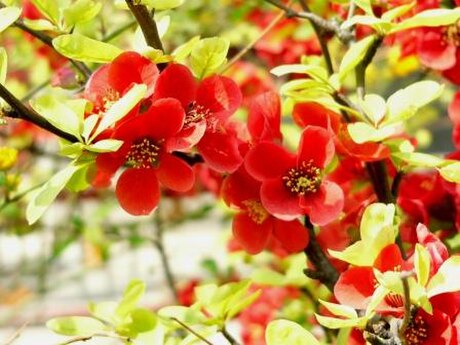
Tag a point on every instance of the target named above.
point(146, 23)
point(20, 111)
point(407, 305)
point(324, 271)
point(228, 336)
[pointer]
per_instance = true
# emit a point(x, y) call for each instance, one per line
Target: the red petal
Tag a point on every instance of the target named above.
point(175, 174)
point(454, 109)
point(437, 249)
point(325, 205)
point(389, 259)
point(220, 95)
point(314, 114)
point(163, 120)
point(292, 235)
point(267, 161)
point(239, 187)
point(253, 237)
point(220, 151)
point(265, 117)
point(433, 50)
point(138, 191)
point(355, 287)
point(279, 201)
point(176, 81)
point(98, 86)
point(316, 144)
point(131, 67)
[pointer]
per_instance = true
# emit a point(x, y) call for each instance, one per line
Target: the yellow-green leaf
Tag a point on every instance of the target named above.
point(288, 332)
point(82, 48)
point(8, 15)
point(355, 55)
point(208, 55)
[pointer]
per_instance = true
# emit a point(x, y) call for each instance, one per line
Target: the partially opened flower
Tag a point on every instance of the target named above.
point(253, 227)
point(294, 185)
point(148, 161)
point(111, 81)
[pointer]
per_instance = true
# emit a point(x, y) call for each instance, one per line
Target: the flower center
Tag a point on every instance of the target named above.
point(452, 34)
point(110, 97)
point(256, 211)
point(143, 153)
point(304, 179)
point(417, 331)
point(195, 113)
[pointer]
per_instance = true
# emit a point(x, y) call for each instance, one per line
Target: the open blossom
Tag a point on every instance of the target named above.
point(293, 185)
point(208, 106)
point(253, 227)
point(147, 158)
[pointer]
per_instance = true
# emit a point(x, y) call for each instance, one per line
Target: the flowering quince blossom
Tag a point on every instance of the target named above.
point(293, 185)
point(111, 81)
point(434, 322)
point(148, 161)
point(208, 106)
point(253, 227)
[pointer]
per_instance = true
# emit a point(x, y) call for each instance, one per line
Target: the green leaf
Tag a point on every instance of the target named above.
point(187, 315)
point(340, 309)
point(418, 159)
point(362, 132)
point(446, 279)
point(80, 11)
point(105, 311)
point(43, 197)
point(343, 336)
point(78, 47)
point(49, 8)
point(355, 55)
point(106, 145)
point(163, 4)
point(451, 172)
point(76, 325)
point(288, 332)
point(378, 24)
point(66, 116)
point(182, 52)
point(3, 65)
point(430, 18)
point(133, 293)
point(422, 264)
point(335, 323)
point(315, 72)
point(397, 12)
point(8, 15)
point(267, 276)
point(404, 103)
point(141, 320)
point(377, 231)
point(208, 55)
point(120, 108)
point(88, 127)
point(375, 107)
point(39, 24)
point(365, 5)
point(241, 304)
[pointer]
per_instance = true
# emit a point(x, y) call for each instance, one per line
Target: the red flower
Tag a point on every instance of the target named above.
point(112, 80)
point(293, 185)
point(356, 286)
point(208, 106)
point(253, 227)
point(147, 157)
point(265, 117)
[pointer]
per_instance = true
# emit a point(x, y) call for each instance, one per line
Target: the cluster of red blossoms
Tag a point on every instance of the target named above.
point(270, 186)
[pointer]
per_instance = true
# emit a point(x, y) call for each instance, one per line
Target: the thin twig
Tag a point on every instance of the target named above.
point(248, 47)
point(324, 271)
point(20, 111)
point(159, 244)
point(199, 336)
point(95, 335)
point(228, 336)
point(114, 34)
point(15, 335)
point(147, 24)
point(407, 304)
